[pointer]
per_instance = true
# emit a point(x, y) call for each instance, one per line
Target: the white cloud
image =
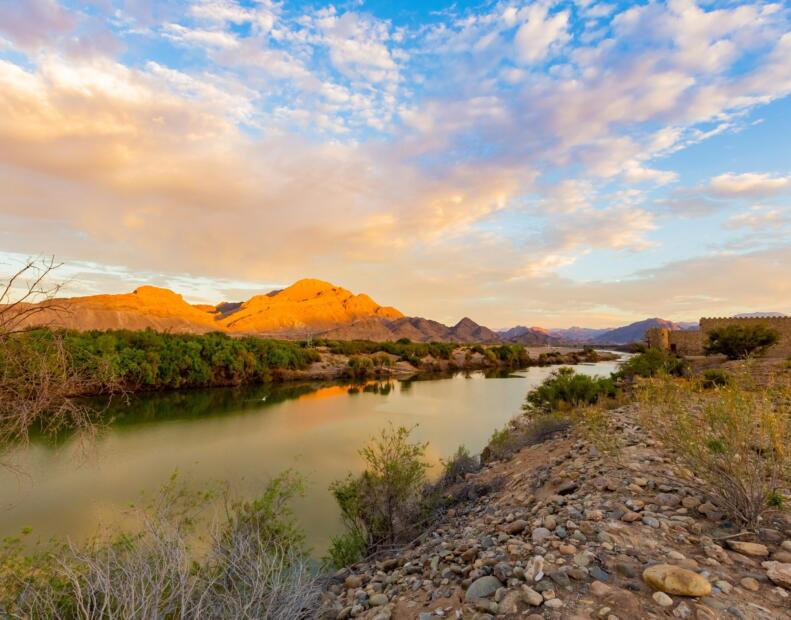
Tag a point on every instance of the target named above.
point(540, 33)
point(749, 185)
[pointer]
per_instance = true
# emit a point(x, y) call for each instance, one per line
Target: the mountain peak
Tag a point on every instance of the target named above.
point(306, 288)
point(466, 322)
point(156, 293)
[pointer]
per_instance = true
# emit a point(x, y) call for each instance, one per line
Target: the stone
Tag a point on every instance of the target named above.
point(515, 527)
point(668, 499)
point(778, 573)
point(482, 587)
point(531, 597)
point(553, 603)
point(377, 600)
point(598, 574)
point(599, 589)
point(630, 517)
point(352, 582)
point(682, 611)
point(674, 580)
point(723, 586)
point(623, 604)
point(509, 604)
point(748, 583)
point(540, 534)
point(651, 521)
point(535, 569)
point(748, 548)
point(550, 522)
point(662, 599)
point(786, 545)
point(567, 487)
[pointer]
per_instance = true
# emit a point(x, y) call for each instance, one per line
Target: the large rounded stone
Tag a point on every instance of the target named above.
point(482, 587)
point(779, 573)
point(748, 548)
point(675, 580)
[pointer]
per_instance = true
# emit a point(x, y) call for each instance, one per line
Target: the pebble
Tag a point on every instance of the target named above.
point(662, 599)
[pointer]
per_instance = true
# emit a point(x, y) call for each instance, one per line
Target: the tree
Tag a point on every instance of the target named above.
point(740, 341)
point(38, 377)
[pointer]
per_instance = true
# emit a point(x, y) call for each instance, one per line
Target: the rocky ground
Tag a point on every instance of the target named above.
point(573, 533)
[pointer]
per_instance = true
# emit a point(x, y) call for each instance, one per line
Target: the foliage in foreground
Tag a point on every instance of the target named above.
point(740, 341)
point(378, 507)
point(565, 389)
point(651, 363)
point(736, 439)
point(255, 567)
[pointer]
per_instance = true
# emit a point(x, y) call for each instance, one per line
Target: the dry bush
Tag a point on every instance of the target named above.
point(735, 438)
point(247, 573)
point(39, 380)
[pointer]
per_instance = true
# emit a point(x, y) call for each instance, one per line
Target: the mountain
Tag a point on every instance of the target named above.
point(307, 307)
point(578, 334)
point(634, 332)
point(148, 306)
point(529, 335)
point(416, 329)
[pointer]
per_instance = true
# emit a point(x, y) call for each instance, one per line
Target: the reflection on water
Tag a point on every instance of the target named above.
point(245, 436)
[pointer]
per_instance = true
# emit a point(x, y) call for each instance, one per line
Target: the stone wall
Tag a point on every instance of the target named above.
point(691, 342)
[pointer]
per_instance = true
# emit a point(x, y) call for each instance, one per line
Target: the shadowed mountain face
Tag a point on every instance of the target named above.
point(308, 307)
point(634, 332)
point(530, 336)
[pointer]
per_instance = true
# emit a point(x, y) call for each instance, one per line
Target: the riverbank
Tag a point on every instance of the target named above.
point(333, 366)
point(563, 529)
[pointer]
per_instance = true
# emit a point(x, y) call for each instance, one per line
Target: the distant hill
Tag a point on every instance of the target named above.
point(307, 307)
point(578, 334)
point(530, 336)
point(634, 332)
point(417, 329)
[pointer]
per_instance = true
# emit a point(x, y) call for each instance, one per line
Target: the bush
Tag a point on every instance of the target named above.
point(513, 437)
point(248, 572)
point(734, 439)
point(714, 377)
point(740, 341)
point(458, 466)
point(565, 389)
point(380, 505)
point(651, 363)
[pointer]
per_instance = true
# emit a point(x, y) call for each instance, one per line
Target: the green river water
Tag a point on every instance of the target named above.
point(244, 436)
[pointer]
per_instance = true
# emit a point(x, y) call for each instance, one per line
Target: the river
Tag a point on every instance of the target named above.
point(244, 436)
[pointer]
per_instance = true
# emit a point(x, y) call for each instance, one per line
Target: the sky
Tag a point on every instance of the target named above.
point(546, 163)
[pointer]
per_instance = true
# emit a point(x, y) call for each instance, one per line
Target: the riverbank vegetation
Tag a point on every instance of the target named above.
point(253, 565)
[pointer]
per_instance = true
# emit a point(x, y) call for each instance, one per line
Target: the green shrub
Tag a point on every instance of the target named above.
point(651, 363)
point(514, 436)
point(457, 466)
point(380, 505)
point(736, 440)
point(714, 377)
point(564, 389)
point(740, 341)
point(347, 549)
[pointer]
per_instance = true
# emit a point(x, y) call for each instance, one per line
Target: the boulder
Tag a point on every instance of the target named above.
point(748, 548)
point(482, 587)
point(674, 580)
point(779, 573)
